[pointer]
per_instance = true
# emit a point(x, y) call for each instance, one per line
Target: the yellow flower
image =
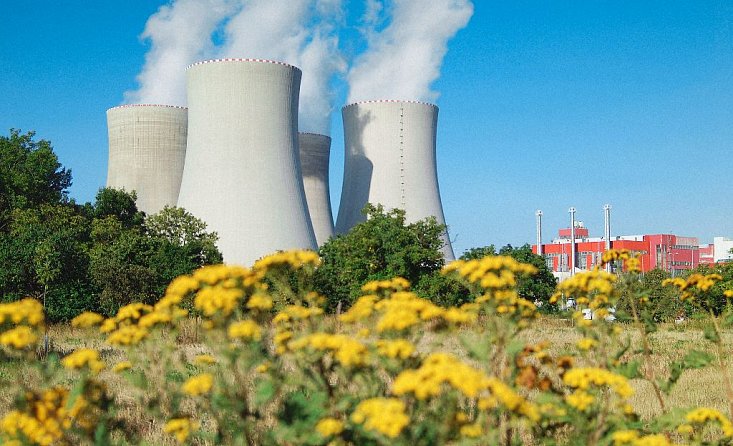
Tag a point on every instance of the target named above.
point(84, 357)
point(132, 312)
point(127, 335)
point(87, 319)
point(583, 377)
point(205, 360)
point(347, 351)
point(580, 400)
point(586, 343)
point(246, 329)
point(259, 302)
point(199, 384)
point(401, 348)
point(122, 366)
point(108, 326)
point(329, 426)
point(702, 415)
point(180, 428)
point(471, 430)
point(27, 310)
point(292, 259)
point(264, 367)
point(384, 415)
point(728, 293)
point(624, 437)
point(154, 318)
point(19, 337)
point(217, 299)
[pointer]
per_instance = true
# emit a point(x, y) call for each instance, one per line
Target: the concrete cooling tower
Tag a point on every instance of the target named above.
point(314, 154)
point(147, 148)
point(242, 174)
point(390, 160)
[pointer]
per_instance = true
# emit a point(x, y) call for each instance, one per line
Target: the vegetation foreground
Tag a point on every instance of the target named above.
point(232, 355)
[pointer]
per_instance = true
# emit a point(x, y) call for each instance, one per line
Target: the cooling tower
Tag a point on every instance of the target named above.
point(314, 154)
point(242, 174)
point(147, 148)
point(390, 160)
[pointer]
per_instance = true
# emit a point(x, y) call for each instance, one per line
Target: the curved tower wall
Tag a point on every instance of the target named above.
point(314, 155)
point(390, 160)
point(242, 173)
point(147, 148)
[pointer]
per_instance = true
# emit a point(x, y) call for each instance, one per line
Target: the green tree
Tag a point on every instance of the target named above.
point(536, 288)
point(30, 174)
point(382, 247)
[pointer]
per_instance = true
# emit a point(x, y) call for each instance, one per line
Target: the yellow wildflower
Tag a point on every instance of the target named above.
point(624, 437)
point(471, 430)
point(205, 360)
point(586, 343)
point(132, 312)
point(28, 311)
point(259, 302)
point(122, 366)
point(384, 415)
point(702, 415)
point(347, 351)
point(87, 319)
point(292, 259)
point(199, 384)
point(128, 335)
point(329, 426)
point(246, 329)
point(580, 400)
point(18, 338)
point(728, 293)
point(180, 428)
point(401, 348)
point(84, 357)
point(154, 318)
point(217, 299)
point(583, 377)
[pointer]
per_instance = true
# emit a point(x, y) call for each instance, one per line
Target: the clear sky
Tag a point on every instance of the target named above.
point(543, 105)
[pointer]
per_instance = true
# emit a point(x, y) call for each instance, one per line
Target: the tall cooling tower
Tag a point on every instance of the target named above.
point(147, 148)
point(242, 174)
point(314, 154)
point(390, 160)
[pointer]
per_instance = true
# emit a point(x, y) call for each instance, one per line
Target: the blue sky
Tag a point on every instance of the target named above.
point(543, 105)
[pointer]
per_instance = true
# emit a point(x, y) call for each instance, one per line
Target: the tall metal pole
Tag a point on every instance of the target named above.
point(539, 231)
point(572, 241)
point(607, 230)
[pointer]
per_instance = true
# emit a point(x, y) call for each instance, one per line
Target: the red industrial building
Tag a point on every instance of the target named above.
point(668, 252)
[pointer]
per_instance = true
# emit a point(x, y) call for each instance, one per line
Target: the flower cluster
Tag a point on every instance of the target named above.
point(19, 323)
point(693, 285)
point(383, 415)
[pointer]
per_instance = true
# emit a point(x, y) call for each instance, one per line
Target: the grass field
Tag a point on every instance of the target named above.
point(698, 388)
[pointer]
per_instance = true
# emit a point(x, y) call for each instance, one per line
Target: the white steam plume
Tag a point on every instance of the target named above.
point(404, 58)
point(300, 32)
point(180, 34)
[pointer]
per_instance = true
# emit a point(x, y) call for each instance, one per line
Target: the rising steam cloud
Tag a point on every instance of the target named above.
point(179, 34)
point(300, 32)
point(404, 58)
point(406, 43)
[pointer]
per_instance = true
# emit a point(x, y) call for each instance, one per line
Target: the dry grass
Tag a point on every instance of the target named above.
point(701, 387)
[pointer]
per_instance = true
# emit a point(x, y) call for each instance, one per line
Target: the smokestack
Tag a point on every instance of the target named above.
point(147, 148)
point(539, 231)
point(390, 160)
point(607, 225)
point(314, 154)
point(242, 173)
point(572, 241)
